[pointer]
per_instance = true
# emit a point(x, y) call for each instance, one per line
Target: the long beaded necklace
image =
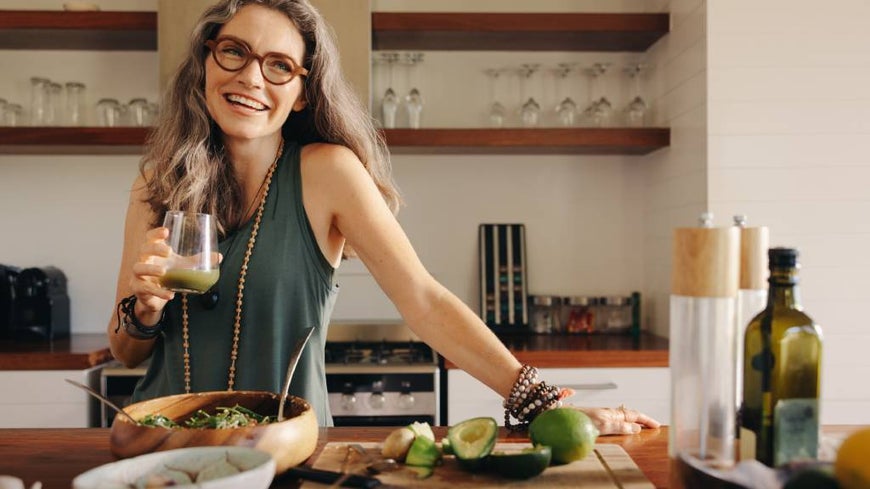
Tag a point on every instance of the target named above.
point(237, 326)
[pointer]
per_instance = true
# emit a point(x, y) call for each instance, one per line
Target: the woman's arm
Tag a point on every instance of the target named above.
point(137, 275)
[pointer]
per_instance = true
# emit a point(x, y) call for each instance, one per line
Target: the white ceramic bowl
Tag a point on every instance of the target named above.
point(257, 468)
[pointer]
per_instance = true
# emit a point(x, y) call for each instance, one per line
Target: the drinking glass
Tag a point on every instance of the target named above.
point(138, 112)
point(109, 112)
point(75, 95)
point(636, 110)
point(3, 104)
point(567, 108)
point(390, 102)
point(194, 265)
point(413, 101)
point(600, 110)
point(12, 115)
point(496, 112)
point(53, 104)
point(39, 89)
point(530, 111)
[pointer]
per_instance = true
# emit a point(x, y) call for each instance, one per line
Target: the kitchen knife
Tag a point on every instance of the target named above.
point(330, 476)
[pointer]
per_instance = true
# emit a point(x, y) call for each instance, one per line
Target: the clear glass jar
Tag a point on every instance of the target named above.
point(138, 112)
point(580, 314)
point(39, 91)
point(544, 313)
point(75, 103)
point(616, 314)
point(109, 112)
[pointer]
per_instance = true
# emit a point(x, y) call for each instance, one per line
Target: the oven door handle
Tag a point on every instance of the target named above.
point(604, 386)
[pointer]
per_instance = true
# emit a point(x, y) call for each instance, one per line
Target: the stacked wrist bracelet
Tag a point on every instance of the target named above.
point(528, 398)
point(131, 323)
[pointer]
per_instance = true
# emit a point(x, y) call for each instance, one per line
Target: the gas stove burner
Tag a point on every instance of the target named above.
point(378, 353)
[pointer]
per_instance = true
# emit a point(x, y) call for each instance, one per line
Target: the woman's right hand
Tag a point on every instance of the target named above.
point(151, 297)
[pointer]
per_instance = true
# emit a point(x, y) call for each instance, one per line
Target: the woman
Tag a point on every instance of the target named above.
point(259, 129)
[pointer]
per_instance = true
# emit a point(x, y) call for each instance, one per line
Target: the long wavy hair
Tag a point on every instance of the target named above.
point(191, 169)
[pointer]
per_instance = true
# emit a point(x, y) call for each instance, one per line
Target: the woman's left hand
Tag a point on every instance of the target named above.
point(619, 420)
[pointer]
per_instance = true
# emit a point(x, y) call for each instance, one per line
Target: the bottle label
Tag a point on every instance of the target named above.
point(747, 444)
point(796, 430)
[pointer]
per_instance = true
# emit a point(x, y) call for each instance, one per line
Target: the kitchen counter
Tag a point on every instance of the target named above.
point(56, 456)
point(570, 351)
point(78, 352)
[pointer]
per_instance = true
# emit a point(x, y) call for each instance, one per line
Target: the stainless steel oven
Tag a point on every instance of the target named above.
point(380, 375)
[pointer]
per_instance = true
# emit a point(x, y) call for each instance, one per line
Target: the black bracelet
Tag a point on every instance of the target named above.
point(131, 323)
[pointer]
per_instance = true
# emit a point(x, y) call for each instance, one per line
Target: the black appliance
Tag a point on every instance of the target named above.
point(42, 309)
point(8, 276)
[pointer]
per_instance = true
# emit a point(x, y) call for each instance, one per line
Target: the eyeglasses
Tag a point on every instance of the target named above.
point(234, 54)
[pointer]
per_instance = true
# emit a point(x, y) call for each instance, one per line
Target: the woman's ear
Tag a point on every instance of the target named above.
point(301, 103)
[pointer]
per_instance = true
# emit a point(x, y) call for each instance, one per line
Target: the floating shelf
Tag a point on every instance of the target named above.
point(517, 31)
point(53, 29)
point(72, 140)
point(599, 141)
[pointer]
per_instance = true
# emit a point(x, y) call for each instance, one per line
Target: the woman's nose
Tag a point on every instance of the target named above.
point(251, 75)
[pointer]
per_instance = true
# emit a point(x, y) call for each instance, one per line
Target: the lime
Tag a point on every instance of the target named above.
point(851, 467)
point(520, 465)
point(423, 453)
point(472, 440)
point(569, 432)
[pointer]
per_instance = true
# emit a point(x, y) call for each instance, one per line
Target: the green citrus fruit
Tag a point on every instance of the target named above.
point(569, 432)
point(520, 465)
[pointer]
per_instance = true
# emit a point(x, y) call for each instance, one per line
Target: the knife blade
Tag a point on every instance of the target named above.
point(330, 476)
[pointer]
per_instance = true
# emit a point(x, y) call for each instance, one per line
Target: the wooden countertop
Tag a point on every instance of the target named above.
point(78, 352)
point(56, 456)
point(572, 351)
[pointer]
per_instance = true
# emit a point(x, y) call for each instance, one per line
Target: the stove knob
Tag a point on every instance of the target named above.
point(377, 400)
point(406, 399)
point(348, 398)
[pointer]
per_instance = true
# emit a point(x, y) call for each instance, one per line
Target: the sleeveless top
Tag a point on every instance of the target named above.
point(289, 287)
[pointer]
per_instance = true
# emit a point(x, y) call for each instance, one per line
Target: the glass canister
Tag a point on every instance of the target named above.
point(580, 314)
point(615, 314)
point(109, 112)
point(544, 313)
point(75, 95)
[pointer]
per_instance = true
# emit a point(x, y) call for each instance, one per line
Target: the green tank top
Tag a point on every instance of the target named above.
point(289, 287)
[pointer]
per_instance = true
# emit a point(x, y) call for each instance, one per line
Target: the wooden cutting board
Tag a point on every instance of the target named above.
point(608, 467)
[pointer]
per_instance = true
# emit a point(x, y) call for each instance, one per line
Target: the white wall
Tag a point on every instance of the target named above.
point(789, 122)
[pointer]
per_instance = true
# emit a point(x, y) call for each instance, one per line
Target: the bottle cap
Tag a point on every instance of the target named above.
point(782, 257)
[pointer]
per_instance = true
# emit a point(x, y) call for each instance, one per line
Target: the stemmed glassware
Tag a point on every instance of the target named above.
point(566, 110)
point(496, 109)
point(636, 111)
point(413, 101)
point(600, 108)
point(530, 111)
point(389, 102)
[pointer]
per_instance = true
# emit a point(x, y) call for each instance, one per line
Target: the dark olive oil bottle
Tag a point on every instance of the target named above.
point(781, 372)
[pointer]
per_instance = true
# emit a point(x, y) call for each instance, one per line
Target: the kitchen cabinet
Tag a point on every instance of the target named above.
point(42, 399)
point(390, 30)
point(644, 389)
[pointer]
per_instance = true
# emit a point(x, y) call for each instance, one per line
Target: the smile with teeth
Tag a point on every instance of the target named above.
point(247, 102)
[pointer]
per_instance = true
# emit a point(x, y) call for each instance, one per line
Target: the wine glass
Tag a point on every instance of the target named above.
point(413, 101)
point(530, 111)
point(390, 102)
point(193, 265)
point(636, 110)
point(600, 109)
point(496, 109)
point(566, 110)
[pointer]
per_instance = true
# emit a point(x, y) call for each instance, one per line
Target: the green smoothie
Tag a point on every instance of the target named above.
point(192, 281)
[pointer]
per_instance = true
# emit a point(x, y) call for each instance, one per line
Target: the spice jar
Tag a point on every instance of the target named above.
point(615, 314)
point(544, 313)
point(580, 314)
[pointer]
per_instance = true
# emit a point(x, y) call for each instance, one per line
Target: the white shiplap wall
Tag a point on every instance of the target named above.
point(789, 121)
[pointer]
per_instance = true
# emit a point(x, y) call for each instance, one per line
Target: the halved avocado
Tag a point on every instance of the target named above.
point(523, 464)
point(472, 441)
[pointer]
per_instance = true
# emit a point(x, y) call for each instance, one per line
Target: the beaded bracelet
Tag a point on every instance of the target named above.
point(528, 398)
point(132, 326)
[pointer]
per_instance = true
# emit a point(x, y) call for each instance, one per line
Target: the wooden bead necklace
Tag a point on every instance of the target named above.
point(237, 326)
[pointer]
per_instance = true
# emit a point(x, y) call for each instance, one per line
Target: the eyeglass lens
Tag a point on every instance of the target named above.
point(234, 56)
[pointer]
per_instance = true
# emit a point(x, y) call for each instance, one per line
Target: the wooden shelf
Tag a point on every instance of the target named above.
point(599, 141)
point(517, 31)
point(53, 29)
point(72, 140)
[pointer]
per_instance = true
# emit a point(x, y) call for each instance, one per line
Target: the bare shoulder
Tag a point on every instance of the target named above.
point(330, 161)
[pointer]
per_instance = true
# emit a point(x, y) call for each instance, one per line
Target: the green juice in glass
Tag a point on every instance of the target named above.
point(188, 280)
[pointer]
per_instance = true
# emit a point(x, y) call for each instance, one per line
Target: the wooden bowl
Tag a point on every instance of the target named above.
point(289, 442)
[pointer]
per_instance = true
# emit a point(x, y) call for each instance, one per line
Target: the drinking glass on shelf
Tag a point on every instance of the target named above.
point(53, 102)
point(530, 111)
point(413, 101)
point(496, 112)
point(637, 110)
point(600, 109)
point(3, 104)
point(138, 112)
point(12, 115)
point(389, 102)
point(194, 264)
point(75, 94)
point(566, 110)
point(109, 112)
point(39, 90)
